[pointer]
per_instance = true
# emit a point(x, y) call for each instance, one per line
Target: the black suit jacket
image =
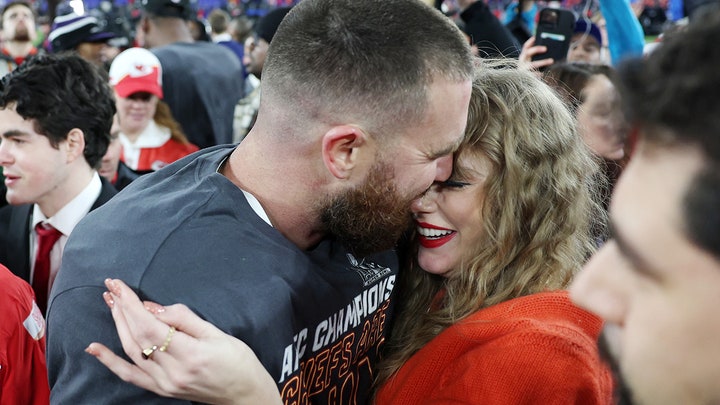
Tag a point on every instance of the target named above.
point(3, 190)
point(15, 232)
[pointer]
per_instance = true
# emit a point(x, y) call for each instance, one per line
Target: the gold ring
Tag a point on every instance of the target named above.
point(147, 353)
point(166, 343)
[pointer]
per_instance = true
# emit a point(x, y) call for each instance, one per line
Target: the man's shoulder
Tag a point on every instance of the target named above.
point(14, 231)
point(180, 187)
point(186, 66)
point(12, 285)
point(196, 51)
point(107, 191)
point(13, 211)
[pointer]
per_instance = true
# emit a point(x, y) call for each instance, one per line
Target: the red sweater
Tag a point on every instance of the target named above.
point(537, 349)
point(23, 375)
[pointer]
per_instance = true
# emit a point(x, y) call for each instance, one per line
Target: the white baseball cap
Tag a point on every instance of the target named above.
point(136, 70)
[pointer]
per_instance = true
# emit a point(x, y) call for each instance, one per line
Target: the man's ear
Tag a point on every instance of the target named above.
point(143, 25)
point(75, 144)
point(341, 147)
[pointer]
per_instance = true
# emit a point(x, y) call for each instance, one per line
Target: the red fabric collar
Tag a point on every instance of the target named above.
point(20, 59)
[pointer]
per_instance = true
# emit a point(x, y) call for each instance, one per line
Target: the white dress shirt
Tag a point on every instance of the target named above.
point(64, 221)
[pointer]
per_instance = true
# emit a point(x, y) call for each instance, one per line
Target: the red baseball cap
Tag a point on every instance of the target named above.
point(136, 70)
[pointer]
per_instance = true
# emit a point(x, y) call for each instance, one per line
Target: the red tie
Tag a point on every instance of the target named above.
point(46, 238)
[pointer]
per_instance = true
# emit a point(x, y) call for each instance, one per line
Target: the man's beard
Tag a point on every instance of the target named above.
point(21, 34)
point(370, 218)
point(622, 394)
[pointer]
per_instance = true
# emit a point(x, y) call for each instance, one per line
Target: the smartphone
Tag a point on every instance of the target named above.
point(554, 30)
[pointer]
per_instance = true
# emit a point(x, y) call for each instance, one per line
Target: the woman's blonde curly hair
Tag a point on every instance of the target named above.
point(539, 206)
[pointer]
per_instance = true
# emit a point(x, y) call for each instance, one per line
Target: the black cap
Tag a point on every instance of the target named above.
point(267, 25)
point(168, 8)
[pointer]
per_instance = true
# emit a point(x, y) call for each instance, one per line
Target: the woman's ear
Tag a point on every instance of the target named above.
point(342, 146)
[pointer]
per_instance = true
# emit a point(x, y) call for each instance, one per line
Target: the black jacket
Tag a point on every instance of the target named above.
point(15, 223)
point(492, 38)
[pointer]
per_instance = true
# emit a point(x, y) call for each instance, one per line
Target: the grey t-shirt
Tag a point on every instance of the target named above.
point(316, 319)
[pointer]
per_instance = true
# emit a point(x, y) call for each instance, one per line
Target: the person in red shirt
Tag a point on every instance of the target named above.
point(150, 136)
point(23, 374)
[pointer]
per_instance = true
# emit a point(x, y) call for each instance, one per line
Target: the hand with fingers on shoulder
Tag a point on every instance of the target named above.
point(175, 353)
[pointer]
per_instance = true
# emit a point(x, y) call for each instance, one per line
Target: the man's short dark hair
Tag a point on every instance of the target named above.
point(672, 96)
point(364, 59)
point(168, 9)
point(61, 92)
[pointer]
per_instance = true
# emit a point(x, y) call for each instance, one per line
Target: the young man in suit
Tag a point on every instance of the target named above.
point(55, 119)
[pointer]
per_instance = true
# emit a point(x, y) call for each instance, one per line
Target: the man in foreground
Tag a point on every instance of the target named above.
point(657, 282)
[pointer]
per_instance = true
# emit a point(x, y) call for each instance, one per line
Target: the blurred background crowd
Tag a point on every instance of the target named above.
point(118, 16)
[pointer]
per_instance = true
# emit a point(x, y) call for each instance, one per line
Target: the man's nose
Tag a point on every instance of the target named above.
point(444, 168)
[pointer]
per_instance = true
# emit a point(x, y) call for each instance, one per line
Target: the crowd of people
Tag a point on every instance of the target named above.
point(323, 207)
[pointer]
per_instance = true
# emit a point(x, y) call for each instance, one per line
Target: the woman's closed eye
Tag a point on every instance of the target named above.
point(454, 184)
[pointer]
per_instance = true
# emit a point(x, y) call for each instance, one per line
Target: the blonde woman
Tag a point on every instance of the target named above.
point(485, 318)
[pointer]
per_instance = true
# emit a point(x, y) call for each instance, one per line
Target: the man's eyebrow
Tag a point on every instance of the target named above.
point(13, 133)
point(632, 254)
point(448, 150)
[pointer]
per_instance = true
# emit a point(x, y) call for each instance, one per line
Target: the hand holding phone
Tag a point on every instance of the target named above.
point(554, 31)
